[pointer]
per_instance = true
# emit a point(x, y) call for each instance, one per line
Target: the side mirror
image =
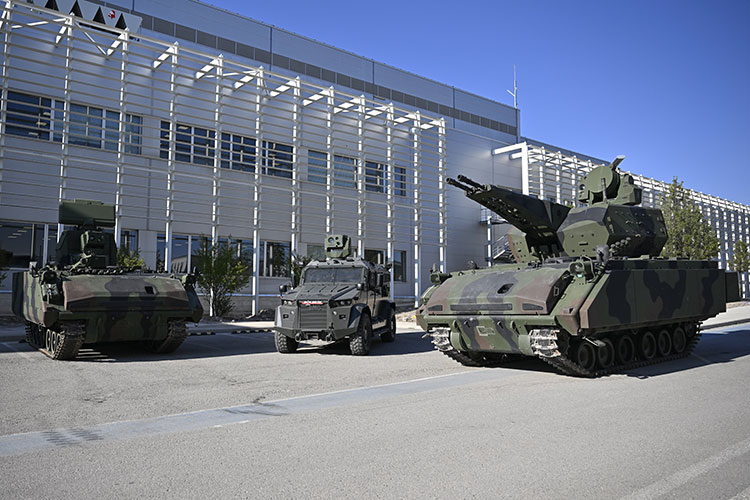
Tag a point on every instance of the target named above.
point(360, 286)
point(283, 288)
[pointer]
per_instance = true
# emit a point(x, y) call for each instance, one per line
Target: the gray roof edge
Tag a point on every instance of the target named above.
point(206, 4)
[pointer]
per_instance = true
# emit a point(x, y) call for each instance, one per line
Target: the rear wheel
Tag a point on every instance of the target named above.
point(390, 334)
point(64, 344)
point(359, 343)
point(176, 335)
point(679, 340)
point(284, 344)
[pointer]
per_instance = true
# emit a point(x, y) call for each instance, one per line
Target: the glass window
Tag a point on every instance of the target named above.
point(333, 275)
point(85, 126)
point(28, 115)
point(374, 256)
point(179, 260)
point(129, 240)
point(16, 243)
point(317, 166)
point(344, 171)
point(278, 159)
point(237, 152)
point(161, 248)
point(399, 265)
point(316, 252)
point(245, 249)
point(275, 259)
point(399, 181)
point(192, 144)
point(376, 177)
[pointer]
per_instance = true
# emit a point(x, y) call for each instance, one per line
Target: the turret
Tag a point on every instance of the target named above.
point(338, 246)
point(87, 245)
point(610, 222)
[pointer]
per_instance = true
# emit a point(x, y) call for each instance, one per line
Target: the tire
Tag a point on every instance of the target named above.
point(646, 346)
point(679, 340)
point(586, 355)
point(390, 334)
point(360, 342)
point(284, 344)
point(625, 349)
point(664, 343)
point(605, 355)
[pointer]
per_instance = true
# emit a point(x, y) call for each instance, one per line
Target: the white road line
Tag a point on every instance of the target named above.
point(744, 495)
point(684, 476)
point(14, 444)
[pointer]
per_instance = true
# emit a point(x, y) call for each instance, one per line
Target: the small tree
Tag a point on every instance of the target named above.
point(298, 263)
point(221, 271)
point(690, 235)
point(740, 260)
point(129, 258)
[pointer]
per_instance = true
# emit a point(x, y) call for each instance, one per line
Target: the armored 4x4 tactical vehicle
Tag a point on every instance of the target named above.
point(339, 298)
point(587, 294)
point(86, 298)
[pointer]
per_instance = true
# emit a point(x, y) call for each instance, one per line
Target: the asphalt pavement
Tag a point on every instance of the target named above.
point(228, 417)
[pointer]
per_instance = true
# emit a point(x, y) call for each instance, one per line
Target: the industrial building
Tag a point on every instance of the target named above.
point(198, 123)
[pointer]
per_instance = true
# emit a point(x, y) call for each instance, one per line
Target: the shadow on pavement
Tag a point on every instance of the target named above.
point(405, 343)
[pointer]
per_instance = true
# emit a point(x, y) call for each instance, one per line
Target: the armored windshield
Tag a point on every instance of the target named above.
point(333, 275)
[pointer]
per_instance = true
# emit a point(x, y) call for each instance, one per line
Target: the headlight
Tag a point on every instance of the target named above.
point(286, 302)
point(340, 303)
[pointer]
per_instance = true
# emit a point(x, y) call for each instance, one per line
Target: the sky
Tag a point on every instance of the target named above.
point(666, 83)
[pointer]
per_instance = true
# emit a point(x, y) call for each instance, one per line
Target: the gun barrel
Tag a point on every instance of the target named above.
point(454, 182)
point(468, 181)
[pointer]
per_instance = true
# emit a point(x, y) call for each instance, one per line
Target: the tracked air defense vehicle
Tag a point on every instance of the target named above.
point(86, 298)
point(343, 297)
point(587, 294)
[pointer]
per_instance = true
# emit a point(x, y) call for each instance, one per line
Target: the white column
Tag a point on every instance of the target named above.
point(391, 199)
point(361, 177)
point(122, 131)
point(64, 150)
point(171, 158)
point(443, 215)
point(296, 143)
point(216, 177)
point(330, 104)
point(417, 218)
point(259, 87)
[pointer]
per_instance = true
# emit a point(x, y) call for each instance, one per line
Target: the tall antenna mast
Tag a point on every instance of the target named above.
point(515, 89)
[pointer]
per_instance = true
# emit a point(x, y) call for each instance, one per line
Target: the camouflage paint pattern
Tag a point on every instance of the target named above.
point(585, 271)
point(115, 304)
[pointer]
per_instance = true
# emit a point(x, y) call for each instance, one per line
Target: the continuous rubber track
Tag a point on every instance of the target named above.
point(176, 335)
point(69, 340)
point(544, 344)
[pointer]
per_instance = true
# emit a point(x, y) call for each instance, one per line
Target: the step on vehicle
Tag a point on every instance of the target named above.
point(343, 297)
point(587, 294)
point(86, 298)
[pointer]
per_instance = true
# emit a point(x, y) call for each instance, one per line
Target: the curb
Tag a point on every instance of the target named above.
point(726, 323)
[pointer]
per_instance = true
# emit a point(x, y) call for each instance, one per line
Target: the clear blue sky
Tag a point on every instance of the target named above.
point(667, 83)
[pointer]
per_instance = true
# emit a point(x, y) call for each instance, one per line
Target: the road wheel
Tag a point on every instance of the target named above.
point(625, 349)
point(285, 344)
point(176, 335)
point(646, 345)
point(586, 355)
point(360, 342)
point(390, 334)
point(664, 343)
point(679, 340)
point(605, 355)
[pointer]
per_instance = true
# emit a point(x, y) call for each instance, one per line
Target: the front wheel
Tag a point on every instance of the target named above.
point(284, 344)
point(390, 334)
point(360, 342)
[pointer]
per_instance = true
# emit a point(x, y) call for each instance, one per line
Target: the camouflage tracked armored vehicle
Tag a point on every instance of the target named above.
point(587, 293)
point(343, 297)
point(86, 298)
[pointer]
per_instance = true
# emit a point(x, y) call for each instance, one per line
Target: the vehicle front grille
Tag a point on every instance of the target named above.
point(312, 317)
